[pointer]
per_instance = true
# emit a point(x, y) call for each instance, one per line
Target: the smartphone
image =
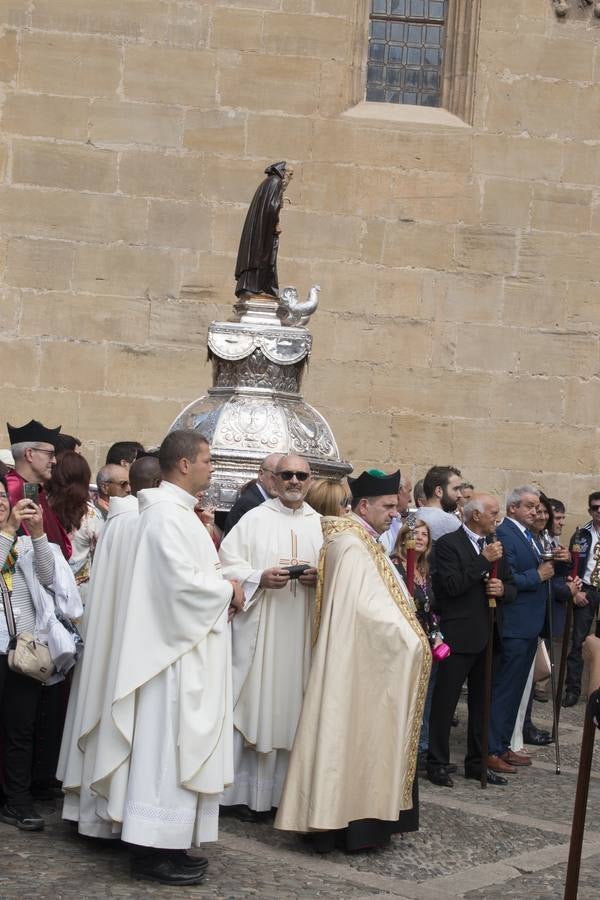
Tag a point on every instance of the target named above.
point(31, 492)
point(296, 571)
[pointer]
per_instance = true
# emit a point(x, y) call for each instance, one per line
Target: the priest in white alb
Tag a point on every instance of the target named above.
point(273, 551)
point(93, 681)
point(351, 779)
point(164, 752)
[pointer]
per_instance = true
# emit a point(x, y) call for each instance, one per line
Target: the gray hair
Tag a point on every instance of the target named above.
point(515, 496)
point(104, 475)
point(471, 506)
point(18, 450)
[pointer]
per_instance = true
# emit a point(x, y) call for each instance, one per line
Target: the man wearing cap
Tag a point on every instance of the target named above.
point(351, 778)
point(32, 446)
point(271, 635)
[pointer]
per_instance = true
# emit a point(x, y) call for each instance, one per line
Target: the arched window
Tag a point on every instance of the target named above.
point(406, 51)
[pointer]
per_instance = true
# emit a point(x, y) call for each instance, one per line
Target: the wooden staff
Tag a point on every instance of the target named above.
point(487, 689)
point(562, 670)
point(411, 555)
point(581, 796)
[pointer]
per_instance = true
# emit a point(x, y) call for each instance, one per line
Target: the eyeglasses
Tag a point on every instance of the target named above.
point(122, 484)
point(50, 453)
point(287, 476)
point(594, 508)
point(270, 471)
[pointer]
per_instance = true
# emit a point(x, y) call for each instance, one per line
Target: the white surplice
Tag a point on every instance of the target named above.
point(164, 751)
point(271, 645)
point(101, 629)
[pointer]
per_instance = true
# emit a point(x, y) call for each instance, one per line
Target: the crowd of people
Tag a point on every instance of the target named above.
point(299, 658)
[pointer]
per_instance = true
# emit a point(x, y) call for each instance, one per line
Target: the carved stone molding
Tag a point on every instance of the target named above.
point(563, 8)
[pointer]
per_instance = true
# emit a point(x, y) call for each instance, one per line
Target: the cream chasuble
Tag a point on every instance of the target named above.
point(355, 751)
point(101, 628)
point(271, 645)
point(164, 751)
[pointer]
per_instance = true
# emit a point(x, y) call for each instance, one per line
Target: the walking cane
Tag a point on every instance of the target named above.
point(547, 557)
point(575, 551)
point(487, 696)
point(581, 796)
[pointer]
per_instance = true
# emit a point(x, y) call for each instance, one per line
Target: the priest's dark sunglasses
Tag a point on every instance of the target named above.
point(287, 475)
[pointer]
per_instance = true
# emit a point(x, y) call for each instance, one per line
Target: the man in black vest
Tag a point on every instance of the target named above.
point(462, 586)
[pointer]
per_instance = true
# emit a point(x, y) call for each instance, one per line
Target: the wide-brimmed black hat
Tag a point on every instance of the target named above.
point(375, 484)
point(32, 431)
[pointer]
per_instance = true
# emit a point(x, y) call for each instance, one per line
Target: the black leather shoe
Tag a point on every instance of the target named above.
point(492, 777)
point(539, 696)
point(440, 777)
point(24, 817)
point(570, 699)
point(451, 769)
point(165, 870)
point(184, 859)
point(536, 736)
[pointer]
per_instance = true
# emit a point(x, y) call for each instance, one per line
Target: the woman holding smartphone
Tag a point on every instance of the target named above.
point(29, 565)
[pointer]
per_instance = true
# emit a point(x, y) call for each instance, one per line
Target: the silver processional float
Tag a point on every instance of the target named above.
point(255, 405)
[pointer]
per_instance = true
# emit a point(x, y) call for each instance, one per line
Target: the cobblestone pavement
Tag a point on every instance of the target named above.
point(503, 842)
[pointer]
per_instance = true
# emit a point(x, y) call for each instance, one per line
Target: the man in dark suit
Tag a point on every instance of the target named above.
point(523, 623)
point(255, 493)
point(462, 586)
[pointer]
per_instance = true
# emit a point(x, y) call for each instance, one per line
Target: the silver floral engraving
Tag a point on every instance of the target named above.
point(255, 406)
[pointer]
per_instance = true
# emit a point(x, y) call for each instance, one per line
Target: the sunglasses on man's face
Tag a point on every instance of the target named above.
point(287, 476)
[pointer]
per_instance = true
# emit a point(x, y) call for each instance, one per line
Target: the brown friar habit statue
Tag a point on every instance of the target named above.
point(256, 266)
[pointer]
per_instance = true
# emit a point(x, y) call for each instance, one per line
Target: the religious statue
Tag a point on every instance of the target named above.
point(563, 7)
point(256, 266)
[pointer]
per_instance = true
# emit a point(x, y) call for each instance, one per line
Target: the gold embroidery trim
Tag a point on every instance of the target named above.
point(332, 525)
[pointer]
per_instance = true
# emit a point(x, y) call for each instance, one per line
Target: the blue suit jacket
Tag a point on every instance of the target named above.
point(525, 616)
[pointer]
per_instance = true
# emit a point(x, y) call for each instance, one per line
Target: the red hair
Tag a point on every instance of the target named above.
point(68, 489)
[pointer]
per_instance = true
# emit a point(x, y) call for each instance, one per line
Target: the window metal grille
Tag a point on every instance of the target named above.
point(406, 51)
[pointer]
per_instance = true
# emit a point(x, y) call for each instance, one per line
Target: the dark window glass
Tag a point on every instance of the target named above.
point(406, 51)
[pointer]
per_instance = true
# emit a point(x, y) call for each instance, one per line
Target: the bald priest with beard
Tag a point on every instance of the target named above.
point(351, 778)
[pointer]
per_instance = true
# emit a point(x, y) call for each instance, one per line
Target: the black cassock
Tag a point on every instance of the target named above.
point(366, 834)
point(256, 266)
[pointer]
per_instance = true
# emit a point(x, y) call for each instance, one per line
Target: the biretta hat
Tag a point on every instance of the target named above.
point(375, 483)
point(32, 431)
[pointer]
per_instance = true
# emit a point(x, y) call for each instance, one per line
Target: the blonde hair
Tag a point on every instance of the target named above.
point(327, 497)
point(399, 550)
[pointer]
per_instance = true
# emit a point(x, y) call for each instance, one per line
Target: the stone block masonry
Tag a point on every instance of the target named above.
point(458, 262)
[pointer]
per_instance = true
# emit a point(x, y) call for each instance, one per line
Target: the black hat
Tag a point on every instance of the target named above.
point(32, 432)
point(375, 484)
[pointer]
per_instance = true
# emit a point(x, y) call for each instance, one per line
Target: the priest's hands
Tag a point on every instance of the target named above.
point(274, 578)
point(308, 578)
point(237, 601)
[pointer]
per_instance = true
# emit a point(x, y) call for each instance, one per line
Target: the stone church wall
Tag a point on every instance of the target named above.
point(458, 263)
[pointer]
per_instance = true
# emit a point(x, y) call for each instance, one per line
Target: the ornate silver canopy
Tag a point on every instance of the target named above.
point(255, 406)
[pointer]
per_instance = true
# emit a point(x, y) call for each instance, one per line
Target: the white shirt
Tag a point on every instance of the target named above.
point(474, 538)
point(530, 539)
point(591, 560)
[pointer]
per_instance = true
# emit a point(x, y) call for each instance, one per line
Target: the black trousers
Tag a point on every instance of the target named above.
point(583, 616)
point(452, 673)
point(19, 698)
